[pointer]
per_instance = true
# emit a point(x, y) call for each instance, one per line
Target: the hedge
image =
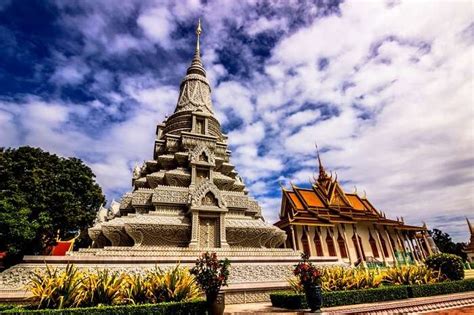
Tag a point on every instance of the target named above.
point(292, 300)
point(289, 299)
point(196, 307)
point(447, 287)
point(337, 298)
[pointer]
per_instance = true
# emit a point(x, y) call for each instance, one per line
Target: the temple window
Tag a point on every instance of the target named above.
point(359, 251)
point(342, 246)
point(203, 157)
point(317, 244)
point(209, 200)
point(384, 247)
point(373, 246)
point(330, 244)
point(304, 241)
point(200, 128)
point(392, 242)
point(201, 174)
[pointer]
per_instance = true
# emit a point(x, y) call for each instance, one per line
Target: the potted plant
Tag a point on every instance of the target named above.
point(310, 278)
point(211, 274)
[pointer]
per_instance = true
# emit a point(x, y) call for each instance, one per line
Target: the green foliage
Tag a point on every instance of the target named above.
point(446, 245)
point(408, 275)
point(41, 193)
point(71, 287)
point(173, 285)
point(211, 274)
point(55, 288)
point(388, 293)
point(195, 307)
point(103, 287)
point(449, 265)
point(289, 299)
point(341, 278)
point(338, 278)
point(4, 307)
point(447, 287)
point(292, 300)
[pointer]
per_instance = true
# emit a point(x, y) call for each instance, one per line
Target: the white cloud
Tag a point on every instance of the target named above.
point(157, 24)
point(394, 102)
point(263, 24)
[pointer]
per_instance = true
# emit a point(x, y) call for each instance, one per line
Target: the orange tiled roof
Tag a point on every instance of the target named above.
point(356, 203)
point(310, 198)
point(296, 201)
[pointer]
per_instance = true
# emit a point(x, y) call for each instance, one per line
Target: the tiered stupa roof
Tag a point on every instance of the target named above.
point(190, 194)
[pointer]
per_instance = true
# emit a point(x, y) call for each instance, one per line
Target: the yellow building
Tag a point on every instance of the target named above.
point(333, 225)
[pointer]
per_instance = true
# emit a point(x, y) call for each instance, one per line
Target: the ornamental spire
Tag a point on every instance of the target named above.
point(322, 172)
point(198, 33)
point(196, 66)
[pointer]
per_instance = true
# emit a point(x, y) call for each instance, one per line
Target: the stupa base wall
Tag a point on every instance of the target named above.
point(254, 273)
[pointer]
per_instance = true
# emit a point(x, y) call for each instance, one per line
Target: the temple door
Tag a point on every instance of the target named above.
point(208, 232)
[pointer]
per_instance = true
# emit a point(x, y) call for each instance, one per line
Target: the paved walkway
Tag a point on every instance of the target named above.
point(459, 303)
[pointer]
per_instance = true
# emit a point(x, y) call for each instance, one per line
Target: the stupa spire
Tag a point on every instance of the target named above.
point(196, 66)
point(198, 34)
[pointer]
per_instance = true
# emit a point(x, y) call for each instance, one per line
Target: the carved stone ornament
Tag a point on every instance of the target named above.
point(196, 154)
point(199, 194)
point(195, 94)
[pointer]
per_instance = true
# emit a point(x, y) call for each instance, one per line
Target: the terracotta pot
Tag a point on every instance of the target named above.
point(314, 298)
point(215, 303)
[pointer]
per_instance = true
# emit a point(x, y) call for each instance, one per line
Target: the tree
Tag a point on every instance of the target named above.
point(41, 193)
point(446, 245)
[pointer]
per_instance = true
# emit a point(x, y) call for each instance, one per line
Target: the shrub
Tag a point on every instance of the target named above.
point(292, 300)
point(211, 274)
point(342, 278)
point(408, 275)
point(195, 307)
point(447, 287)
point(389, 293)
point(289, 299)
point(448, 264)
point(306, 272)
point(103, 287)
point(173, 285)
point(55, 288)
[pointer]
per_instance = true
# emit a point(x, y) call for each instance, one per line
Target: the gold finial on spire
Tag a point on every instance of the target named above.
point(198, 33)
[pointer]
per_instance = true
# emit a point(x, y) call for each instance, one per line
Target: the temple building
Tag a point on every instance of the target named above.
point(470, 247)
point(326, 222)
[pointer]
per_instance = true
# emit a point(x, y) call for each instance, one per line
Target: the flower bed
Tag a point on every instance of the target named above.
point(192, 307)
point(293, 300)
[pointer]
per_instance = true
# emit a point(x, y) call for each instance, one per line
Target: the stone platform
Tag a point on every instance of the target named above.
point(254, 273)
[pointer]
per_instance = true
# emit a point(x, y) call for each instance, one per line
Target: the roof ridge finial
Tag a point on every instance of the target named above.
point(322, 172)
point(470, 226)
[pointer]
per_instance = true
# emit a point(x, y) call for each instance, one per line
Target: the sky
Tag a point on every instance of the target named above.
point(385, 88)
